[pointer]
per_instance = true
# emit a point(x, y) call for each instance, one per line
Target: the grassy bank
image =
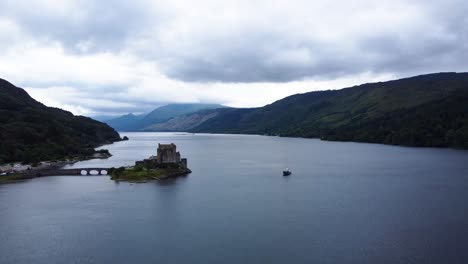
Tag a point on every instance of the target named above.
point(139, 174)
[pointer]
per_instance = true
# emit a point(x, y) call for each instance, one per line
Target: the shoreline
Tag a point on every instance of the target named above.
point(301, 137)
point(317, 138)
point(27, 171)
point(146, 175)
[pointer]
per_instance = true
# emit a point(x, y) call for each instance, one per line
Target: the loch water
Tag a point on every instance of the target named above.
point(344, 203)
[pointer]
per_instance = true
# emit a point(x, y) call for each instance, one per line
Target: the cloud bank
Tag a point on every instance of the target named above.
point(101, 58)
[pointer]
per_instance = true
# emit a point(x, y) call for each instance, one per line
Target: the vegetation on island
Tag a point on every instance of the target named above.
point(424, 111)
point(139, 173)
point(32, 132)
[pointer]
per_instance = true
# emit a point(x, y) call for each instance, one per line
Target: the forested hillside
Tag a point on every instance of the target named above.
point(31, 131)
point(428, 110)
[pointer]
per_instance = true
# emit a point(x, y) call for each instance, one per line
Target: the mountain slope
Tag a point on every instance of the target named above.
point(161, 114)
point(186, 122)
point(386, 112)
point(31, 131)
point(128, 122)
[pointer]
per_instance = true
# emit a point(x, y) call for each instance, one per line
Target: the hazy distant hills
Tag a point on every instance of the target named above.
point(128, 122)
point(31, 131)
point(186, 122)
point(153, 120)
point(428, 110)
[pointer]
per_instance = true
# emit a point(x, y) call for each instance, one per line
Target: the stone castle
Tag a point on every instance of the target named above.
point(167, 156)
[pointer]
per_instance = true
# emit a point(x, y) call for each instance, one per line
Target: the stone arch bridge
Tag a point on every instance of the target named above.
point(59, 172)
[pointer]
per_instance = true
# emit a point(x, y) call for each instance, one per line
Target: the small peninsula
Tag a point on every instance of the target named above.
point(166, 164)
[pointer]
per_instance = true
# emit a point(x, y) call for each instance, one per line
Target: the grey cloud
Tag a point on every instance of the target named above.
point(440, 46)
point(252, 64)
point(137, 108)
point(250, 60)
point(94, 26)
point(384, 55)
point(190, 46)
point(420, 54)
point(247, 53)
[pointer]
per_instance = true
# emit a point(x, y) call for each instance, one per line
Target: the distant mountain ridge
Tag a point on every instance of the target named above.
point(428, 110)
point(148, 122)
point(31, 131)
point(128, 122)
point(186, 122)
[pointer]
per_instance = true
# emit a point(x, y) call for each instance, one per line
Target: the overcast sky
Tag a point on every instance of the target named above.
point(114, 57)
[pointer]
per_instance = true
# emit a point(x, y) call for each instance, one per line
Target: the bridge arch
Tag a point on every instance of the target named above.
point(76, 171)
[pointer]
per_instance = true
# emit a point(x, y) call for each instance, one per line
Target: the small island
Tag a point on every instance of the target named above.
point(166, 164)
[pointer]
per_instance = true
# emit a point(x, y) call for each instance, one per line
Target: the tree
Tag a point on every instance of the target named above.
point(138, 167)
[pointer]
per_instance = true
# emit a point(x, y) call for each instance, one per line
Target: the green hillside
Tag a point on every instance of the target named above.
point(186, 122)
point(31, 131)
point(427, 110)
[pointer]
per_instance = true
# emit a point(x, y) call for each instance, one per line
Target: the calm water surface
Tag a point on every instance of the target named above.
point(344, 203)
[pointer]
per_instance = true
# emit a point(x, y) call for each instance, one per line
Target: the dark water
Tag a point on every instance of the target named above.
point(344, 203)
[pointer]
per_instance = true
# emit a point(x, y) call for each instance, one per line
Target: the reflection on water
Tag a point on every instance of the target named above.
point(344, 203)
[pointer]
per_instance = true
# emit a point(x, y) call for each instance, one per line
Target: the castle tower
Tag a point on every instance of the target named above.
point(167, 153)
